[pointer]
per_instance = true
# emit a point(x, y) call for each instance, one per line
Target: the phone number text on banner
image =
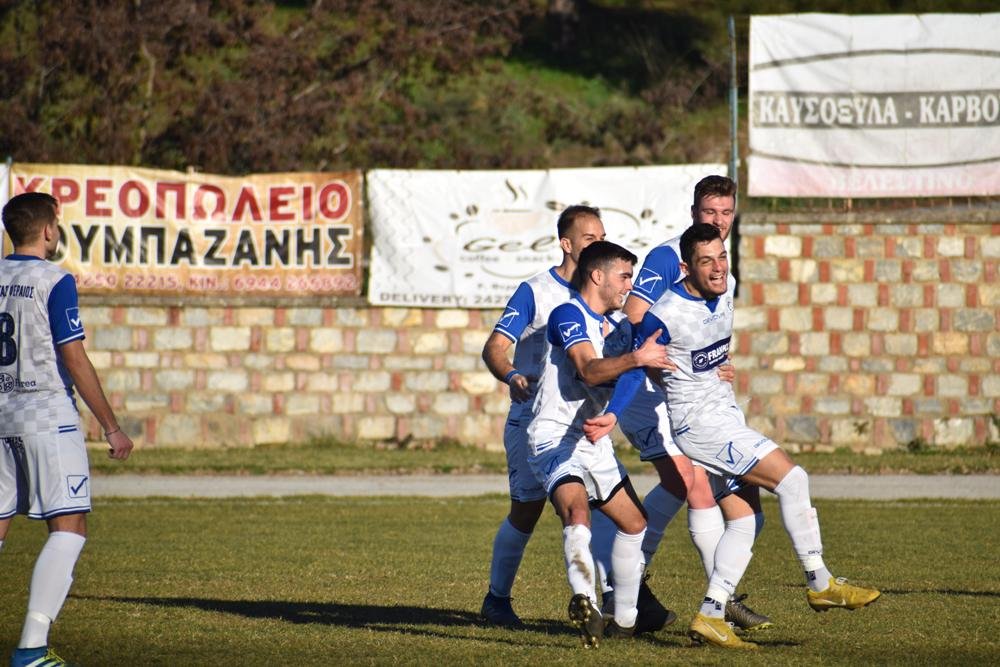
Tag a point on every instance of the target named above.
point(145, 231)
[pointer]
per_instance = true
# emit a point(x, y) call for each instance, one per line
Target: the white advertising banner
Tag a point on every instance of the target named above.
point(874, 106)
point(465, 239)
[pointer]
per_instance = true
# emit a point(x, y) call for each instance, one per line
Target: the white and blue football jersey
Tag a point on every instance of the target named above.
point(39, 312)
point(563, 401)
point(697, 334)
point(524, 320)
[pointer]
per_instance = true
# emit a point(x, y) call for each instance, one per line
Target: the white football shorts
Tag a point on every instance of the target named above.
point(722, 443)
point(44, 475)
point(572, 455)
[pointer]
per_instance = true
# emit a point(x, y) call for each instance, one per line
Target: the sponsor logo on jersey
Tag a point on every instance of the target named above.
point(729, 455)
point(569, 329)
point(9, 383)
point(646, 279)
point(709, 357)
point(73, 317)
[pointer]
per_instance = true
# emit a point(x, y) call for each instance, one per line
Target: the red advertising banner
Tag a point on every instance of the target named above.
point(147, 231)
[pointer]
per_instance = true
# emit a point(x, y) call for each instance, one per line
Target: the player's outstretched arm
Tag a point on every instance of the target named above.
point(85, 379)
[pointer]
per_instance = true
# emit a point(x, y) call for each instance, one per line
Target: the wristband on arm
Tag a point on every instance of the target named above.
point(510, 376)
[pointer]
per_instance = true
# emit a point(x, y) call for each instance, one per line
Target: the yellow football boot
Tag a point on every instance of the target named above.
point(841, 595)
point(716, 631)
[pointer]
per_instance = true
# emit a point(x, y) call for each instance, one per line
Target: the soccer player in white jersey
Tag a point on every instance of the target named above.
point(645, 422)
point(694, 319)
point(523, 324)
point(574, 384)
point(43, 460)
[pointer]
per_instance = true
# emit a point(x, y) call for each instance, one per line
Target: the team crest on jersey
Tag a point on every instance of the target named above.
point(569, 329)
point(709, 357)
point(7, 383)
point(75, 321)
point(729, 455)
point(647, 279)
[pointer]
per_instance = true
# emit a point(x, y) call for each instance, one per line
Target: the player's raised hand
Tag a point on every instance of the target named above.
point(120, 445)
point(519, 388)
point(597, 427)
point(727, 372)
point(652, 354)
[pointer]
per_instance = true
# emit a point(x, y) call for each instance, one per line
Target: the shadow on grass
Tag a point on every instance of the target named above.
point(399, 619)
point(395, 618)
point(920, 591)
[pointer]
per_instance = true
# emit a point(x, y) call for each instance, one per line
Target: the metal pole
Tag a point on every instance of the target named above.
point(734, 103)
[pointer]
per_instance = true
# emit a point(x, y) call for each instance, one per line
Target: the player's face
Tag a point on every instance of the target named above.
point(617, 284)
point(718, 211)
point(709, 269)
point(584, 231)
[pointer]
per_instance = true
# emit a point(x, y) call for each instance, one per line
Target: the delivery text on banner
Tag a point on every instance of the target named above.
point(145, 231)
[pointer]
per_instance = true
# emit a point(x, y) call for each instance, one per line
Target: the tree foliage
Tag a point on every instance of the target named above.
point(233, 86)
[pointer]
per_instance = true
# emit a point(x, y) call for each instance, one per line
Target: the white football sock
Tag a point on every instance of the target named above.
point(627, 565)
point(732, 557)
point(579, 561)
point(802, 526)
point(508, 549)
point(661, 506)
point(706, 527)
point(50, 584)
point(602, 539)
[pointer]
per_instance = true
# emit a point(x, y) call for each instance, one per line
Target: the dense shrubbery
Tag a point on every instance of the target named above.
point(246, 85)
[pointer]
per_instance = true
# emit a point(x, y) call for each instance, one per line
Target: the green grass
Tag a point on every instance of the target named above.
point(399, 581)
point(327, 457)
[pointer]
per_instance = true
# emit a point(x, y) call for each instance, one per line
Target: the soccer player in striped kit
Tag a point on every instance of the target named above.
point(44, 471)
point(694, 319)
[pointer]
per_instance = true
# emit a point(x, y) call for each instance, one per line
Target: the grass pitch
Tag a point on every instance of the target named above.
point(320, 580)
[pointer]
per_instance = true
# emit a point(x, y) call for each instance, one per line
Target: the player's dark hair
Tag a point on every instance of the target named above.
point(26, 214)
point(713, 186)
point(599, 255)
point(572, 214)
point(695, 234)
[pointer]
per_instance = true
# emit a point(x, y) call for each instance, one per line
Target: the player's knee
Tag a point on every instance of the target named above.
point(794, 485)
point(524, 515)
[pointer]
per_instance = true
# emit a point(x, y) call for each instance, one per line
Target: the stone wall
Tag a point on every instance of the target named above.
point(869, 334)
